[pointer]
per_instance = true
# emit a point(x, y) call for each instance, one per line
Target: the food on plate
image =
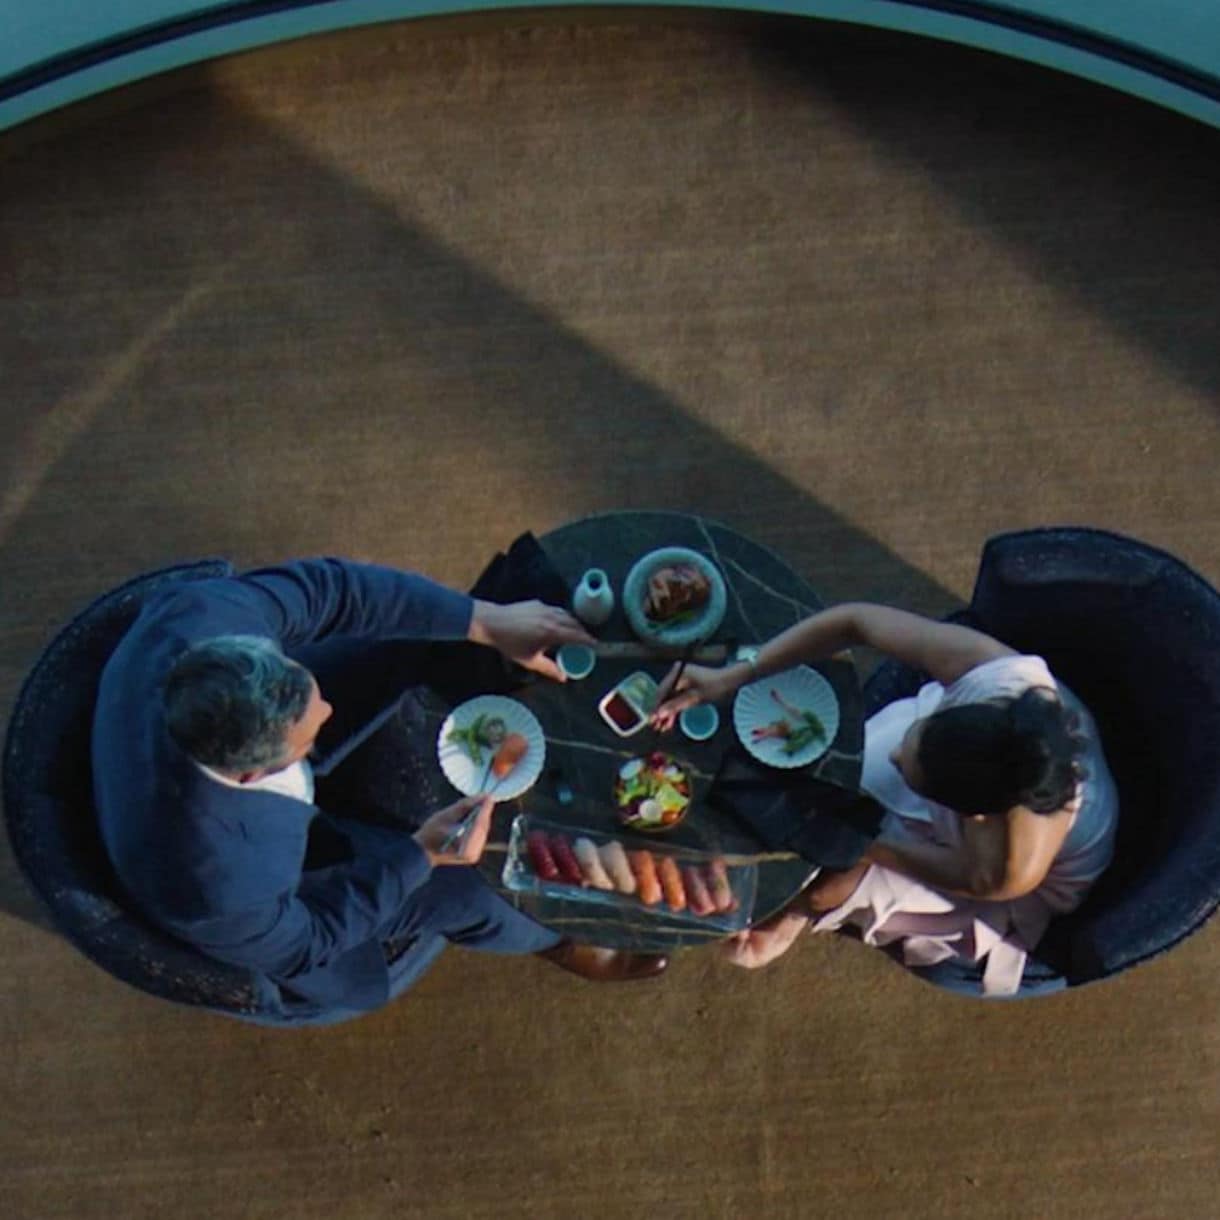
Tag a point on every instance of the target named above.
point(645, 869)
point(676, 591)
point(652, 792)
point(576, 863)
point(565, 859)
point(482, 733)
point(585, 851)
point(797, 728)
point(718, 883)
point(539, 848)
point(615, 859)
point(698, 896)
point(654, 878)
point(670, 878)
point(512, 750)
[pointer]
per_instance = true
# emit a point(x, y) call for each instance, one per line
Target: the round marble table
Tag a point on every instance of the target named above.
point(765, 596)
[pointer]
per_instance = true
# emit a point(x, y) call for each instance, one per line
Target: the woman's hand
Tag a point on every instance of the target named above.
point(698, 684)
point(758, 946)
point(523, 631)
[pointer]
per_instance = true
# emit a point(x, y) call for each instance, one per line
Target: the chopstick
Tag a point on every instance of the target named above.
point(687, 653)
point(458, 833)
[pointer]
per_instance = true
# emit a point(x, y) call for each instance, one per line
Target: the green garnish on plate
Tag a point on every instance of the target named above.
point(810, 729)
point(482, 733)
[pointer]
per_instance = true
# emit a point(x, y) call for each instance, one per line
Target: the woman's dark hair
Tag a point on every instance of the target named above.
point(229, 702)
point(990, 757)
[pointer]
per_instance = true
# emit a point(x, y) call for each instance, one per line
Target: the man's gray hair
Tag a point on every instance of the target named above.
point(229, 702)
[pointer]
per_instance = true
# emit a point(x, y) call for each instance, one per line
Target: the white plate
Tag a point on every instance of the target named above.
point(687, 630)
point(467, 776)
point(803, 688)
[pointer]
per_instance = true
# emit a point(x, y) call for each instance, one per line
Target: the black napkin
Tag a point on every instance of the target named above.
point(796, 811)
point(460, 671)
point(523, 573)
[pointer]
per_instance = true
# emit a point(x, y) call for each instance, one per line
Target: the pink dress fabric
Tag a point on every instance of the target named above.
point(932, 926)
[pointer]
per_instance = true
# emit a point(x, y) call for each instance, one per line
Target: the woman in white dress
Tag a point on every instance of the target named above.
point(1001, 808)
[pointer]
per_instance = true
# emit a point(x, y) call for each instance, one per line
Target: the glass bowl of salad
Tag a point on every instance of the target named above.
point(652, 792)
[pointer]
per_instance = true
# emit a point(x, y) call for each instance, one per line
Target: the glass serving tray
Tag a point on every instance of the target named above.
point(699, 888)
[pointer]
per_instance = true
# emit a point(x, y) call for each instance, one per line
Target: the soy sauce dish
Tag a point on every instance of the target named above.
point(627, 707)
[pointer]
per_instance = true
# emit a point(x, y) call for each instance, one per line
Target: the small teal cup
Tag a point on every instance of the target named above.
point(576, 661)
point(699, 722)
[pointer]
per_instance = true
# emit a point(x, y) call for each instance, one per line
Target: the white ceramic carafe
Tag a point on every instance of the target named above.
point(593, 601)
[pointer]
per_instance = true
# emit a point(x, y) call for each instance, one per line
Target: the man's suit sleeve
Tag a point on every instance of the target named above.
point(329, 914)
point(316, 599)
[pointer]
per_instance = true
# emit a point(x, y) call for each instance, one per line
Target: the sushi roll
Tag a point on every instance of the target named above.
point(718, 883)
point(585, 851)
point(615, 859)
point(698, 896)
point(541, 859)
point(671, 883)
point(569, 868)
point(645, 869)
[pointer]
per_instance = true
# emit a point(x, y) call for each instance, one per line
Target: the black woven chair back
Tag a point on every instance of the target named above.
point(48, 806)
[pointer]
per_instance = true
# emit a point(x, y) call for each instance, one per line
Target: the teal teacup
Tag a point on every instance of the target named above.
point(576, 661)
point(699, 722)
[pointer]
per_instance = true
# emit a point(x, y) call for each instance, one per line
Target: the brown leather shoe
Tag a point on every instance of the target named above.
point(605, 965)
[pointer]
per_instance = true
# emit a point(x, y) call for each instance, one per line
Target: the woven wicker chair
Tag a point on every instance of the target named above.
point(48, 806)
point(1136, 634)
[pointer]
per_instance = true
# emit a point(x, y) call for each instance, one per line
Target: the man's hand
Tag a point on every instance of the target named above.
point(523, 630)
point(436, 832)
point(758, 946)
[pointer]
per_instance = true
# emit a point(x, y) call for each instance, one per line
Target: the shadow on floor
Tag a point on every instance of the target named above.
point(206, 351)
point(1120, 213)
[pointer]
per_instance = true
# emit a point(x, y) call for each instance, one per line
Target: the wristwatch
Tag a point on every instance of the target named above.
point(749, 654)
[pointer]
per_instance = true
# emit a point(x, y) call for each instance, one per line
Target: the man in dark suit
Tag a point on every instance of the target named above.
point(203, 728)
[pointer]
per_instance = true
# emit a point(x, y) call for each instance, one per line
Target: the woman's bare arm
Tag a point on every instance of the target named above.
point(1034, 840)
point(1002, 858)
point(944, 650)
point(932, 865)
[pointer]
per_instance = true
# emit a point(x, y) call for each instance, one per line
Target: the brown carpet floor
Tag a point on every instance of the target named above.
point(402, 294)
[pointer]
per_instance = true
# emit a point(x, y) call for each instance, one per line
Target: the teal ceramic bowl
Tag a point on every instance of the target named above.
point(688, 629)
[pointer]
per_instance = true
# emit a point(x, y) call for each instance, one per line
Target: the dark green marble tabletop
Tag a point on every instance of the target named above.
point(765, 596)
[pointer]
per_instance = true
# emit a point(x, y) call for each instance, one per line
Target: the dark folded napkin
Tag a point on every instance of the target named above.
point(796, 811)
point(460, 671)
point(524, 572)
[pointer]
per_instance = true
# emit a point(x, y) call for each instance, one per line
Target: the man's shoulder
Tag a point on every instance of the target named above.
point(185, 614)
point(196, 849)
